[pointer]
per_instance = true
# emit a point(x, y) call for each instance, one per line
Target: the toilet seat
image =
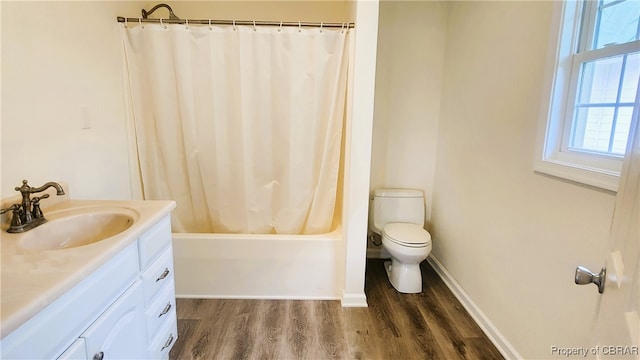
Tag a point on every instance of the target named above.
point(407, 234)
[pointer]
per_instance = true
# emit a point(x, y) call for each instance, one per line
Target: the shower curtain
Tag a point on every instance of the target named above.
point(241, 125)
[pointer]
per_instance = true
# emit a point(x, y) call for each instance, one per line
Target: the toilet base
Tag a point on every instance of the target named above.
point(406, 278)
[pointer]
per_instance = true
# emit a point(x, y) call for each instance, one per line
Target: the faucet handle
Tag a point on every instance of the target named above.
point(37, 199)
point(16, 220)
point(24, 188)
point(36, 212)
point(10, 208)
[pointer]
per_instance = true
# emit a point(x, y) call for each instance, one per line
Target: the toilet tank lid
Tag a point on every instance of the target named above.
point(402, 193)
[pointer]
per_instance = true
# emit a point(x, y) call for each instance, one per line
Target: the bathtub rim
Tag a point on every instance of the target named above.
point(335, 234)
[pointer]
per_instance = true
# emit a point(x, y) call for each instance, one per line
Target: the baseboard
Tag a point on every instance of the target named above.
point(354, 300)
point(500, 342)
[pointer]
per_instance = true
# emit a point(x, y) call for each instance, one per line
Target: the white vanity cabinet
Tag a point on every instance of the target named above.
point(124, 310)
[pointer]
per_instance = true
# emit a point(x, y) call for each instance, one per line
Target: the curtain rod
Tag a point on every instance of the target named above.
point(122, 19)
point(173, 19)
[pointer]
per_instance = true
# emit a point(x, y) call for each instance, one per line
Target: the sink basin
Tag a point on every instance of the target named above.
point(78, 227)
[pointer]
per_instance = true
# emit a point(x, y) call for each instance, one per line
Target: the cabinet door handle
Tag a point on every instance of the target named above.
point(164, 274)
point(168, 343)
point(98, 356)
point(165, 310)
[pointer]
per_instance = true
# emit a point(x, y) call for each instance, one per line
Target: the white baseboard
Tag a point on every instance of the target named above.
point(500, 342)
point(354, 300)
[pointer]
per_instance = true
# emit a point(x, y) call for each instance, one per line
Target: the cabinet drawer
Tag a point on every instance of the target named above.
point(164, 341)
point(154, 241)
point(162, 308)
point(158, 275)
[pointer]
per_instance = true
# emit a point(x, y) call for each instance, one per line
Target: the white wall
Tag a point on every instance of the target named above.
point(358, 145)
point(411, 43)
point(511, 237)
point(291, 10)
point(58, 58)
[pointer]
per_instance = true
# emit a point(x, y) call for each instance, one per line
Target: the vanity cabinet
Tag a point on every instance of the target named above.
point(124, 310)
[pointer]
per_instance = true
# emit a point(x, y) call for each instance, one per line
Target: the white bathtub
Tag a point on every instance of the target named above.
point(239, 266)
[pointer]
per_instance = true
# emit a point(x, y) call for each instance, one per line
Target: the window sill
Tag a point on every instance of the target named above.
point(603, 179)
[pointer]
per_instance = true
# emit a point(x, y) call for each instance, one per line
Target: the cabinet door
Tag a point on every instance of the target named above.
point(119, 333)
point(76, 351)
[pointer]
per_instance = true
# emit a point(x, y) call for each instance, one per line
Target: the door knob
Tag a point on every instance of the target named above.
point(585, 276)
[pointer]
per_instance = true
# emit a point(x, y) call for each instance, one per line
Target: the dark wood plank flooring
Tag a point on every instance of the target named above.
point(429, 325)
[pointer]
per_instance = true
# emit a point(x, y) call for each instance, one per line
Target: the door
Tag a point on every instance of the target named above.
point(617, 330)
point(119, 333)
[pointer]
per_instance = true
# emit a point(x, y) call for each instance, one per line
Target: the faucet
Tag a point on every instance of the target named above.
point(27, 215)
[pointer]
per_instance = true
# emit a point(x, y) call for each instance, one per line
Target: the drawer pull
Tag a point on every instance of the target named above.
point(164, 274)
point(98, 356)
point(168, 343)
point(165, 310)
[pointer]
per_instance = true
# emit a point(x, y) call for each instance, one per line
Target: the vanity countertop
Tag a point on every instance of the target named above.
point(32, 280)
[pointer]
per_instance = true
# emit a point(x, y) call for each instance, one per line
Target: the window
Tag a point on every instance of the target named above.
point(593, 87)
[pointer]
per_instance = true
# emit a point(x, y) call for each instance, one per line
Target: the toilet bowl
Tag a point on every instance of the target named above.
point(408, 244)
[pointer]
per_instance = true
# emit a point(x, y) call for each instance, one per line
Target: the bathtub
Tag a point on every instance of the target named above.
point(249, 266)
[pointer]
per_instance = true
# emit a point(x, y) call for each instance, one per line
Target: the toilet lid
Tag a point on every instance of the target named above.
point(407, 233)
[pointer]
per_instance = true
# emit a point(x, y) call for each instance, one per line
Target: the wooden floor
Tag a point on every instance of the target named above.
point(429, 325)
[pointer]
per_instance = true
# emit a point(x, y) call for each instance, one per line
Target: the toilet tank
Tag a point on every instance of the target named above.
point(396, 205)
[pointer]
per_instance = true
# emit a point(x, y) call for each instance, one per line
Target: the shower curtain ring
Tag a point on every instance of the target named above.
point(321, 24)
point(140, 23)
point(342, 29)
point(210, 28)
point(280, 28)
point(254, 26)
point(125, 23)
point(163, 25)
point(299, 27)
point(186, 24)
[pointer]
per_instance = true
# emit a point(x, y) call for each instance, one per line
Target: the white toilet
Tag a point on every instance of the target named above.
point(397, 215)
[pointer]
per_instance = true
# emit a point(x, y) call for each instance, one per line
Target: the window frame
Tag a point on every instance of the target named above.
point(553, 154)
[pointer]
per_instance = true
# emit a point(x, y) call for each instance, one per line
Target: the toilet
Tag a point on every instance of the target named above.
point(397, 215)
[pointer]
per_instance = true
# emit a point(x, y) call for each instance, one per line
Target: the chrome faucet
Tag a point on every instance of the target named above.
point(28, 214)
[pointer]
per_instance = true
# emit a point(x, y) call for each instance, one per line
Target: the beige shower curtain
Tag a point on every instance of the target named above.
point(240, 125)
